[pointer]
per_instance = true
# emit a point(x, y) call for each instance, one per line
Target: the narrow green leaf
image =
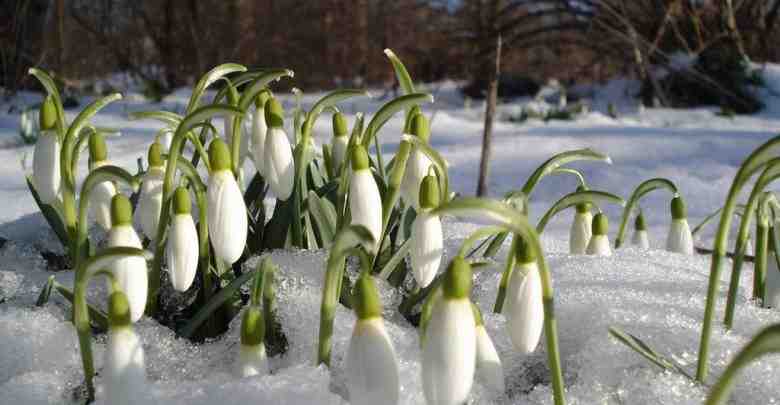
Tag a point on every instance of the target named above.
point(387, 111)
point(640, 191)
point(206, 80)
point(644, 350)
point(559, 160)
point(397, 258)
point(45, 294)
point(404, 80)
point(324, 217)
point(96, 316)
point(51, 215)
point(259, 83)
point(166, 117)
point(578, 197)
point(329, 100)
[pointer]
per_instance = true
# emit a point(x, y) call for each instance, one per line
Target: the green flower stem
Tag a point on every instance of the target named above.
point(345, 240)
point(578, 197)
point(519, 225)
point(559, 160)
point(179, 138)
point(770, 173)
point(752, 164)
point(762, 249)
point(393, 190)
point(640, 191)
point(83, 138)
point(503, 284)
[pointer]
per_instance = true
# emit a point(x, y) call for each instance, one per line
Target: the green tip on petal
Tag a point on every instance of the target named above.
point(582, 208)
point(339, 124)
point(274, 114)
point(678, 208)
point(478, 321)
point(600, 224)
point(639, 223)
point(155, 155)
point(262, 98)
point(420, 128)
point(457, 279)
point(252, 327)
point(429, 192)
point(181, 201)
point(118, 310)
point(121, 210)
point(97, 147)
point(219, 155)
point(47, 118)
point(524, 254)
point(365, 298)
point(359, 158)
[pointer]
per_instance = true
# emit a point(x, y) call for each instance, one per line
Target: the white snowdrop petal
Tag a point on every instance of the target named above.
point(124, 370)
point(279, 167)
point(339, 150)
point(371, 368)
point(150, 201)
point(680, 239)
point(365, 204)
point(524, 308)
point(131, 273)
point(640, 240)
point(259, 130)
point(100, 203)
point(182, 251)
point(489, 368)
point(252, 361)
point(46, 167)
point(449, 355)
point(226, 216)
point(426, 248)
point(599, 246)
point(416, 169)
point(580, 233)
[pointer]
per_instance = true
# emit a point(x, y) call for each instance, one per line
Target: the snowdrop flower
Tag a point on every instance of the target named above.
point(489, 368)
point(372, 368)
point(599, 242)
point(340, 140)
point(417, 166)
point(150, 198)
point(252, 359)
point(124, 370)
point(100, 199)
point(279, 166)
point(580, 232)
point(129, 273)
point(680, 239)
point(427, 240)
point(182, 248)
point(772, 280)
point(259, 130)
point(46, 157)
point(226, 209)
point(449, 353)
point(365, 203)
point(640, 238)
point(524, 305)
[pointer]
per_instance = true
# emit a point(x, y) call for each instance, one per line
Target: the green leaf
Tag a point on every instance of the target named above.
point(324, 216)
point(329, 100)
point(98, 317)
point(559, 160)
point(640, 191)
point(212, 76)
point(644, 350)
point(397, 258)
point(578, 197)
point(45, 294)
point(259, 83)
point(404, 80)
point(387, 111)
point(165, 117)
point(214, 303)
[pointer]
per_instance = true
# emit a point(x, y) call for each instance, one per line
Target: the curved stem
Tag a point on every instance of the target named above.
point(509, 268)
point(640, 191)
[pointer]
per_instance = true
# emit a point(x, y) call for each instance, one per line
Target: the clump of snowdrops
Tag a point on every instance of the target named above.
point(201, 216)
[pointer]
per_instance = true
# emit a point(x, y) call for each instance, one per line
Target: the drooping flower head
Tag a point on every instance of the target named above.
point(680, 239)
point(340, 140)
point(124, 368)
point(182, 248)
point(259, 130)
point(365, 202)
point(599, 242)
point(449, 352)
point(130, 273)
point(372, 368)
point(489, 368)
point(252, 358)
point(46, 157)
point(418, 165)
point(150, 198)
point(279, 169)
point(524, 305)
point(101, 195)
point(226, 209)
point(427, 237)
point(580, 233)
point(640, 238)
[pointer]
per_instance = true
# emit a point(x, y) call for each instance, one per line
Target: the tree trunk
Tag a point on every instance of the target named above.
point(490, 110)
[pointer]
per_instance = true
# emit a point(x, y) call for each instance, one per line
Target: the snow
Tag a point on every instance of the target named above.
point(655, 295)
